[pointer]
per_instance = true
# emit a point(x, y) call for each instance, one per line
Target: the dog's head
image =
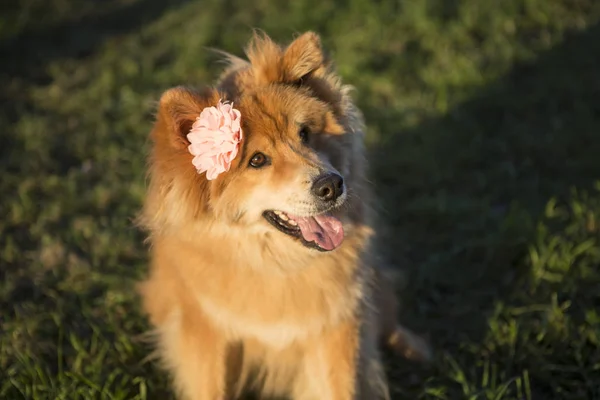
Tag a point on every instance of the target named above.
point(288, 175)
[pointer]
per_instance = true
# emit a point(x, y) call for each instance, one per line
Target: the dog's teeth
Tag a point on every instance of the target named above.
point(278, 213)
point(292, 222)
point(283, 217)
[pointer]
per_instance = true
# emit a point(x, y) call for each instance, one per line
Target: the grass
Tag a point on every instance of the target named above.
point(484, 130)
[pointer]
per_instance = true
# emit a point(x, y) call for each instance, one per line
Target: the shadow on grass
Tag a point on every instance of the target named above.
point(464, 192)
point(28, 54)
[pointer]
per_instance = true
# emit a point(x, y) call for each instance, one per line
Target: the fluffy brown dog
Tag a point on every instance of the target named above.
point(264, 277)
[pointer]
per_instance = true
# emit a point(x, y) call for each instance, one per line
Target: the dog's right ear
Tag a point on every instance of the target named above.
point(178, 109)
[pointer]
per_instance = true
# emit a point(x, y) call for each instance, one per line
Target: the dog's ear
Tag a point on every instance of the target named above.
point(303, 57)
point(305, 63)
point(171, 161)
point(178, 109)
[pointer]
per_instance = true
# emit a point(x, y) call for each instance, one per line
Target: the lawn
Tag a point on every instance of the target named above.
point(484, 131)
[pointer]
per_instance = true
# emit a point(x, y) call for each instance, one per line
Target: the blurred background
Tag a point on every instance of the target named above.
point(484, 131)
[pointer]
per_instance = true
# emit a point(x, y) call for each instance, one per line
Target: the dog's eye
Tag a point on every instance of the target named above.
point(259, 160)
point(304, 134)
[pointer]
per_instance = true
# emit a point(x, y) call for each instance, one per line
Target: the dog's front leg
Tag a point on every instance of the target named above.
point(329, 370)
point(195, 353)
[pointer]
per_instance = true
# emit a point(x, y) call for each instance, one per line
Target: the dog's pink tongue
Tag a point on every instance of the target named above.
point(324, 230)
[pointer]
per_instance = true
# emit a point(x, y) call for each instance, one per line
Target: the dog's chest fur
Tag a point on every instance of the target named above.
point(262, 302)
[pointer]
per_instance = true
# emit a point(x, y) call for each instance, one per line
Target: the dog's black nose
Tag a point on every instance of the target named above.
point(328, 187)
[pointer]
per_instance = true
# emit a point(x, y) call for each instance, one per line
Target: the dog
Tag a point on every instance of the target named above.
point(264, 275)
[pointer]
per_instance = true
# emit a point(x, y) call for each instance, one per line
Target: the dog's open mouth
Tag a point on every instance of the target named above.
point(323, 232)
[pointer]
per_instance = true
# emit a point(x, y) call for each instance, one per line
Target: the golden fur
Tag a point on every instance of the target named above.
point(237, 304)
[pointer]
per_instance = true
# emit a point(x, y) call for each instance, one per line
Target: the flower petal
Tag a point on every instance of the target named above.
point(215, 139)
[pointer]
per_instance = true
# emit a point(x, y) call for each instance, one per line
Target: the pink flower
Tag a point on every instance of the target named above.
point(215, 139)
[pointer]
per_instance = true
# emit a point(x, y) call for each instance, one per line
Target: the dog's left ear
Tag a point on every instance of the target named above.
point(304, 56)
point(178, 110)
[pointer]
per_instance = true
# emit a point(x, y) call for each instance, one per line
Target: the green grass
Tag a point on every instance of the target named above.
point(484, 126)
